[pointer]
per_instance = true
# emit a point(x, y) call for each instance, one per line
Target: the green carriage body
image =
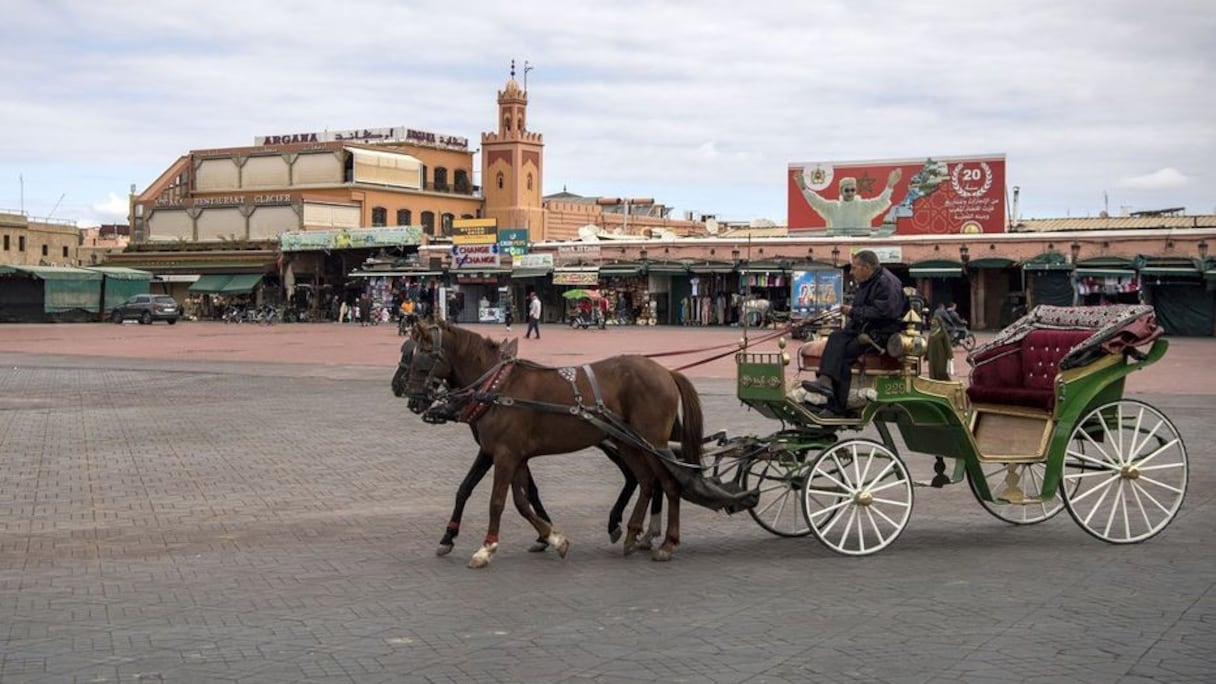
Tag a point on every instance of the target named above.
point(937, 418)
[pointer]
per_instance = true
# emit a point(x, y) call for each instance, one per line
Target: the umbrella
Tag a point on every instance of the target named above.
point(579, 293)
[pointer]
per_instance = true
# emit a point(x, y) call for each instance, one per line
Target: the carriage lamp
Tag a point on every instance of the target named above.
point(1075, 248)
point(964, 253)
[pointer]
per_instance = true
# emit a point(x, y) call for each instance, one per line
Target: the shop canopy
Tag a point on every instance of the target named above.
point(936, 268)
point(991, 262)
point(241, 283)
point(1105, 267)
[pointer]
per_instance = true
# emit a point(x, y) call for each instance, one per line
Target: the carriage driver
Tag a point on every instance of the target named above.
point(877, 309)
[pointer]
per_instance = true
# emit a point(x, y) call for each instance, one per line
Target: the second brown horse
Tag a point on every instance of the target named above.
point(519, 409)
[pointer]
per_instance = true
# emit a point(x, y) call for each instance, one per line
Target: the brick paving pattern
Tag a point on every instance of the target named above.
point(175, 507)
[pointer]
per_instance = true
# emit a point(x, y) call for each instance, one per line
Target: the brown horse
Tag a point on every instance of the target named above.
point(524, 490)
point(519, 409)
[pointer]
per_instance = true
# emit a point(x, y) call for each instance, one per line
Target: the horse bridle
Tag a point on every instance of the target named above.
point(426, 362)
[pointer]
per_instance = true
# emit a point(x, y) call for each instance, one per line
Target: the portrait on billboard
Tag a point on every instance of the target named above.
point(933, 195)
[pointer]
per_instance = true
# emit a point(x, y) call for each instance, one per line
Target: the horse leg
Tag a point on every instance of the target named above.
point(631, 483)
point(640, 471)
point(527, 502)
point(654, 525)
point(481, 466)
point(672, 490)
point(504, 471)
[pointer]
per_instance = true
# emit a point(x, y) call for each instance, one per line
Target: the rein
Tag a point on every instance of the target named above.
point(733, 347)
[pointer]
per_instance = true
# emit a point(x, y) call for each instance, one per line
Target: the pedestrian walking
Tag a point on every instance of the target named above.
point(533, 316)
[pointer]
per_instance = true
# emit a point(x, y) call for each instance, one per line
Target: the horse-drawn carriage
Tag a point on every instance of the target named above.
point(1042, 427)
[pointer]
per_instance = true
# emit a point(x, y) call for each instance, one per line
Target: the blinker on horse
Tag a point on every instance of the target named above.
point(519, 409)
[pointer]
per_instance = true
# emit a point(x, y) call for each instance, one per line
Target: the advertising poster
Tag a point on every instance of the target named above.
point(924, 196)
point(813, 292)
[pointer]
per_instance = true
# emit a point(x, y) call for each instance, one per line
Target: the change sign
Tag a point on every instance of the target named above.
point(475, 256)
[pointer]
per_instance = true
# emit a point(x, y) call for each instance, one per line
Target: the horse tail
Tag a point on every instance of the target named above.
point(692, 426)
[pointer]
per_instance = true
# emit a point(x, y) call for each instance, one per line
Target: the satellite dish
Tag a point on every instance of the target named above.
point(711, 226)
point(589, 233)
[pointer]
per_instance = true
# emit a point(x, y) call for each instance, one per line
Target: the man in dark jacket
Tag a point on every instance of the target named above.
point(877, 310)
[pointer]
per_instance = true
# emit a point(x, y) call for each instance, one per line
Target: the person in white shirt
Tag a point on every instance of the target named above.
point(849, 215)
point(533, 315)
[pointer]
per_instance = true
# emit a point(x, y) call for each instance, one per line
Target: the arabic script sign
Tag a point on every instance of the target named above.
point(368, 135)
point(355, 238)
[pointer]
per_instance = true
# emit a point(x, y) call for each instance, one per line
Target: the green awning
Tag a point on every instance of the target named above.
point(121, 272)
point(1209, 274)
point(764, 267)
point(1098, 272)
point(935, 272)
point(991, 262)
point(1043, 266)
point(242, 283)
point(668, 268)
point(210, 284)
point(621, 270)
point(711, 267)
point(936, 268)
point(1174, 271)
point(53, 272)
point(530, 272)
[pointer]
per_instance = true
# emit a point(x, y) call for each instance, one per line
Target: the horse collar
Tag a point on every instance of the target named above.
point(484, 396)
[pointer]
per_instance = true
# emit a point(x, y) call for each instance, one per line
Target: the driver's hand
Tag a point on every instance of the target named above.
point(846, 309)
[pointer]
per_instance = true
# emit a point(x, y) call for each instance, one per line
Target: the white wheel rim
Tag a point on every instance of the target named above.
point(779, 509)
point(1128, 484)
point(858, 497)
point(1029, 477)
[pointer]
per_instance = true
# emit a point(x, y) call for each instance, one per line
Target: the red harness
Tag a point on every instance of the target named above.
point(483, 398)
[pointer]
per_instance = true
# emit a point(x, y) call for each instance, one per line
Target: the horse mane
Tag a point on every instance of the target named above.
point(469, 344)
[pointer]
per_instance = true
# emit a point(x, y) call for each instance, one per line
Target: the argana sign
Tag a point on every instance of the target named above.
point(933, 195)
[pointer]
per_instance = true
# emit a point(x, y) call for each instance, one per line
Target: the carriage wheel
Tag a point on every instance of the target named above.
point(1125, 472)
point(779, 478)
point(1024, 477)
point(857, 497)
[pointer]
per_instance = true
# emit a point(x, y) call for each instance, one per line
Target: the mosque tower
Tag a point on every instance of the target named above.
point(512, 165)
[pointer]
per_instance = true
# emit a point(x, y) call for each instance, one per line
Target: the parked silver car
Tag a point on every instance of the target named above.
point(147, 308)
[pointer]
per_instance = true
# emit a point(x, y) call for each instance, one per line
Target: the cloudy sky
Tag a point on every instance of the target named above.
point(701, 104)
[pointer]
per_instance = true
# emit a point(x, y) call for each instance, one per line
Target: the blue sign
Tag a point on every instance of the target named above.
point(813, 292)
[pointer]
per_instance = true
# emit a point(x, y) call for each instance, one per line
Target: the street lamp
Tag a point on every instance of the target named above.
point(1075, 248)
point(1203, 249)
point(964, 253)
point(835, 255)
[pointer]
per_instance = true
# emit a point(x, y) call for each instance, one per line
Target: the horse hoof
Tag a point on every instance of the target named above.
point(538, 546)
point(614, 535)
point(563, 547)
point(477, 562)
point(629, 548)
point(483, 556)
point(444, 549)
point(660, 555)
point(644, 544)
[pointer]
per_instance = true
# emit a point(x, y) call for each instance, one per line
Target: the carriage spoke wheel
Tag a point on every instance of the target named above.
point(779, 477)
point(1015, 482)
point(1125, 472)
point(857, 497)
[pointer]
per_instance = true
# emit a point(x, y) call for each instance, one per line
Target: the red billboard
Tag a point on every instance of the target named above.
point(925, 196)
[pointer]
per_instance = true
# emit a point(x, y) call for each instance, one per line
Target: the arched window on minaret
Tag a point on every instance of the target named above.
point(506, 124)
point(501, 180)
point(529, 182)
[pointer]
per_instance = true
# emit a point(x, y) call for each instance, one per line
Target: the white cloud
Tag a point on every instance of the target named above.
point(701, 104)
point(113, 209)
point(1162, 179)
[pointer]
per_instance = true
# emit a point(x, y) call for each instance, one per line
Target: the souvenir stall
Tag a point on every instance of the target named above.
point(765, 281)
point(710, 296)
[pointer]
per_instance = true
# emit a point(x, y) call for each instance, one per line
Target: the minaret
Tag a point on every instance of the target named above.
point(512, 166)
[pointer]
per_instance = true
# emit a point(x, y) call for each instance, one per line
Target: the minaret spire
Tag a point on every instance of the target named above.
point(512, 69)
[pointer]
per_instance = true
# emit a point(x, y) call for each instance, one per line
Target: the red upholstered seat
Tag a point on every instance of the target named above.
point(1024, 373)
